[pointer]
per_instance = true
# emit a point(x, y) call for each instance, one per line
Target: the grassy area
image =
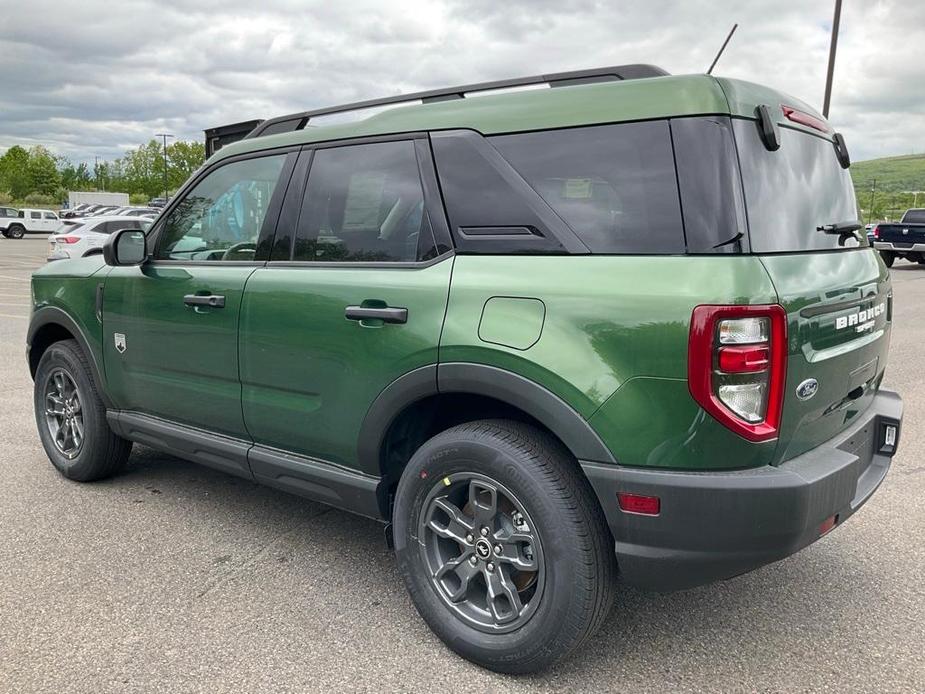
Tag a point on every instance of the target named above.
point(897, 179)
point(893, 174)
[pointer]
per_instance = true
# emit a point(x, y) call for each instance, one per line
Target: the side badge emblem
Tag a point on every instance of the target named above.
point(807, 389)
point(120, 342)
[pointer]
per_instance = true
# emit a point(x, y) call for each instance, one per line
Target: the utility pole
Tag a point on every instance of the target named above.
point(832, 46)
point(870, 212)
point(164, 136)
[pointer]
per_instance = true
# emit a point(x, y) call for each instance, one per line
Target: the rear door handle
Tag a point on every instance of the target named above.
point(386, 315)
point(210, 300)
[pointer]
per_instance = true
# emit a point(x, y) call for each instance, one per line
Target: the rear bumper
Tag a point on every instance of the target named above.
point(904, 248)
point(716, 525)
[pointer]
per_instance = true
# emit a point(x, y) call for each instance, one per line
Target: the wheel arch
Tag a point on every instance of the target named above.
point(51, 324)
point(430, 399)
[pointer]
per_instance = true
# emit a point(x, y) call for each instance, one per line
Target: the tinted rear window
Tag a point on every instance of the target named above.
point(914, 217)
point(791, 191)
point(614, 185)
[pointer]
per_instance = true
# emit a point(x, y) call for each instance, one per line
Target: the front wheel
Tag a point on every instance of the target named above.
point(71, 417)
point(503, 546)
point(888, 258)
point(16, 231)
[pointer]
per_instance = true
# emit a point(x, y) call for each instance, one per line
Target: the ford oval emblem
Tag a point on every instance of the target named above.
point(807, 389)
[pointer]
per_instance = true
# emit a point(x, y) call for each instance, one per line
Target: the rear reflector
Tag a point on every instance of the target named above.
point(828, 524)
point(636, 503)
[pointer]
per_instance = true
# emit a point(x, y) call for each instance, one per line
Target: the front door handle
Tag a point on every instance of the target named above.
point(210, 300)
point(386, 314)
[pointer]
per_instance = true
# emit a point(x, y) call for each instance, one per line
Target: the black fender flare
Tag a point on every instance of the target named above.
point(477, 379)
point(52, 315)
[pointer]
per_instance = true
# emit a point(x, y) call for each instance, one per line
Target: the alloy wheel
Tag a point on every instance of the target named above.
point(63, 413)
point(483, 552)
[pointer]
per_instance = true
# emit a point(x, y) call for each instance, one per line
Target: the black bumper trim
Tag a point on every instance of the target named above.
point(716, 525)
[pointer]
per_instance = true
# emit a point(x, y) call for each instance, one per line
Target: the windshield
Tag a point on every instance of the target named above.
point(791, 192)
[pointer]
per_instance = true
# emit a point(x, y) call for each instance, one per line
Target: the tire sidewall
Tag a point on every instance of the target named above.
point(61, 355)
point(440, 457)
point(16, 232)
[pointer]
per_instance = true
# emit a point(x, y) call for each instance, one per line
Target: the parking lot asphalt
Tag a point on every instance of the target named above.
point(174, 578)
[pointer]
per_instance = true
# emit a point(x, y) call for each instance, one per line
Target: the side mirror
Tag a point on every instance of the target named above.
point(125, 247)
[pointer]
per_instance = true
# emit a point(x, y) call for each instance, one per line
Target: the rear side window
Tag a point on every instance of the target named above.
point(614, 185)
point(914, 217)
point(364, 203)
point(793, 190)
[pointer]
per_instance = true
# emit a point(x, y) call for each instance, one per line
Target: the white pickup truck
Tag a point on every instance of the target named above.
point(29, 221)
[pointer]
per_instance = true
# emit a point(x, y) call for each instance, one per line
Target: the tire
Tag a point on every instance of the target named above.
point(76, 437)
point(568, 587)
point(16, 231)
point(888, 258)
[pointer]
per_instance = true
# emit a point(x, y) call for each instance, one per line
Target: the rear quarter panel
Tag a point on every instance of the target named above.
point(613, 343)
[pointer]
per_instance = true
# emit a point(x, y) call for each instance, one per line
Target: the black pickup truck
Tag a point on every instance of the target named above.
point(903, 240)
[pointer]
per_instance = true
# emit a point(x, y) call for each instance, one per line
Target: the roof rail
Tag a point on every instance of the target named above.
point(297, 121)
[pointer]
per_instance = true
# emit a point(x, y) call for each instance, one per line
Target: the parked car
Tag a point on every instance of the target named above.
point(903, 240)
point(157, 202)
point(136, 211)
point(28, 221)
point(544, 335)
point(77, 211)
point(88, 236)
point(100, 211)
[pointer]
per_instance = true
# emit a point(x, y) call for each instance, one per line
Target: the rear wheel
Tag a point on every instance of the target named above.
point(16, 231)
point(503, 546)
point(888, 258)
point(71, 417)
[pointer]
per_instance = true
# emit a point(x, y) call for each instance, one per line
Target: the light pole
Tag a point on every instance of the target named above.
point(96, 170)
point(164, 136)
point(836, 20)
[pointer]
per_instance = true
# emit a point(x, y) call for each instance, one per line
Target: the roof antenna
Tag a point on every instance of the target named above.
point(722, 48)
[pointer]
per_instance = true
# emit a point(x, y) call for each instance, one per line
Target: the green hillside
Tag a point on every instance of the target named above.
point(893, 174)
point(895, 177)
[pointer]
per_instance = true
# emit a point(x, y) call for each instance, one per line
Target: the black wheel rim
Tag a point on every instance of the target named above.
point(63, 413)
point(482, 551)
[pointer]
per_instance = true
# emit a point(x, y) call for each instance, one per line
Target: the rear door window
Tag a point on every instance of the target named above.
point(793, 190)
point(614, 185)
point(364, 203)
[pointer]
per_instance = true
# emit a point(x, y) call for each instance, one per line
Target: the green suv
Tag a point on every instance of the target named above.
point(621, 325)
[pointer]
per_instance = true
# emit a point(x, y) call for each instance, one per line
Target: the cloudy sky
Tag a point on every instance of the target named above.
point(98, 77)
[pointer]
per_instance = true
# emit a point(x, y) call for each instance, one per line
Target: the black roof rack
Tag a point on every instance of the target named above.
point(297, 121)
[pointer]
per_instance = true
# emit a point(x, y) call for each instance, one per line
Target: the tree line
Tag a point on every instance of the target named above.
point(36, 176)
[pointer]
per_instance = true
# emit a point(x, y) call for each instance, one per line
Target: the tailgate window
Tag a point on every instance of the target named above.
point(792, 191)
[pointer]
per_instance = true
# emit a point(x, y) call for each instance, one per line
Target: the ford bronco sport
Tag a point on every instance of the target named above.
point(621, 325)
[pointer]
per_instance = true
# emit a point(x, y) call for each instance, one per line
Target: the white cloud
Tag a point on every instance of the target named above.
point(86, 78)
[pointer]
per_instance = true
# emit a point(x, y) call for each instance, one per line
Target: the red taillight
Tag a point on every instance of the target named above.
point(743, 359)
point(736, 366)
point(67, 239)
point(877, 232)
point(637, 503)
point(802, 118)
